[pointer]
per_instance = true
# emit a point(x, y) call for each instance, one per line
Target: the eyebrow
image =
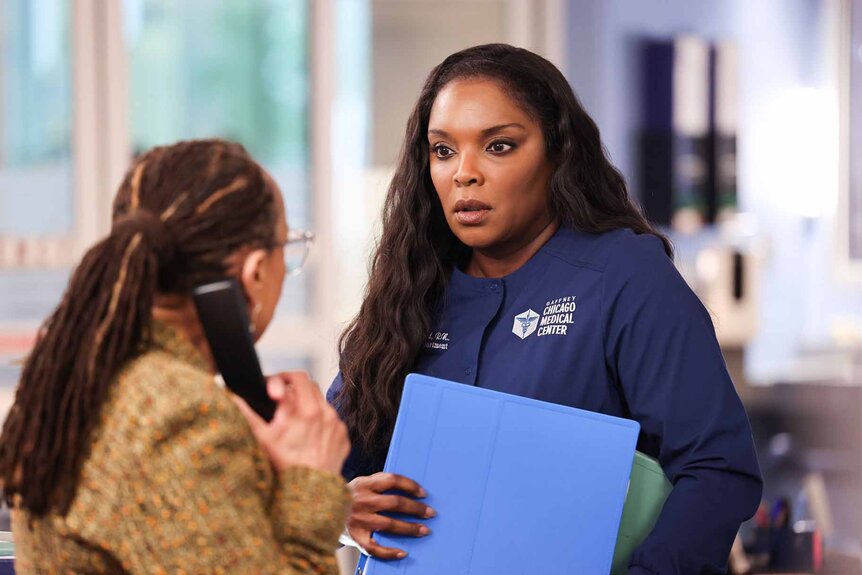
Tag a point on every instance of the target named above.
point(485, 133)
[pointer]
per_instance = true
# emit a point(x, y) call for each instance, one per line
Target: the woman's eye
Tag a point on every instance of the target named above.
point(500, 147)
point(442, 151)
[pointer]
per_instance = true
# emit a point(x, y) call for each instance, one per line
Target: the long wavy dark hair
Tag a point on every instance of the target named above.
point(179, 214)
point(417, 251)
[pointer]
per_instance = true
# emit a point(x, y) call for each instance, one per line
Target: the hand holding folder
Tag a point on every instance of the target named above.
point(521, 486)
point(373, 497)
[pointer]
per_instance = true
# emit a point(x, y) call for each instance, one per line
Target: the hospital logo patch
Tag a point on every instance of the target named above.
point(557, 316)
point(525, 323)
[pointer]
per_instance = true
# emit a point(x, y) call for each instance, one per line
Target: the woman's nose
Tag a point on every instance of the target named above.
point(468, 173)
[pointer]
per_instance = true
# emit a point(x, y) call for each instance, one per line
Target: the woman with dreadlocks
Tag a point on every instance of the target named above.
point(121, 454)
point(510, 238)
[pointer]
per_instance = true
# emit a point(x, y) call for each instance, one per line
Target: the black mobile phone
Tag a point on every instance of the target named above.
point(224, 316)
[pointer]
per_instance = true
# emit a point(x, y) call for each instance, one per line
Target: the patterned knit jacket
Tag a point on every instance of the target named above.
point(175, 482)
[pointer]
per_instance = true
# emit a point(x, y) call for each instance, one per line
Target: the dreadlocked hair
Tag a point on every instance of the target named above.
point(179, 214)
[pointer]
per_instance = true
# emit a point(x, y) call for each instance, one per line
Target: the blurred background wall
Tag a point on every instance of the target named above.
point(320, 92)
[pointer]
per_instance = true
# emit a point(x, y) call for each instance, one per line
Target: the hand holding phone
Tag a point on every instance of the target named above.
point(305, 431)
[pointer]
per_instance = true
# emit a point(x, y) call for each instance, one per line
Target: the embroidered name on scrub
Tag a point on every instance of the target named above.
point(557, 316)
point(437, 340)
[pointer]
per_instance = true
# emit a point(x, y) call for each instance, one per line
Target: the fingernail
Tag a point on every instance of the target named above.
point(430, 512)
point(424, 530)
point(401, 554)
point(276, 386)
point(422, 493)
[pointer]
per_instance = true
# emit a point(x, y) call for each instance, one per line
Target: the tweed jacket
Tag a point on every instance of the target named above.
point(175, 482)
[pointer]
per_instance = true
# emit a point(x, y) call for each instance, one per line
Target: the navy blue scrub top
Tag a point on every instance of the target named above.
point(604, 322)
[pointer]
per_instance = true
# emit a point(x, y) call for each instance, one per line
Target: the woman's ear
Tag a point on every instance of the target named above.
point(252, 276)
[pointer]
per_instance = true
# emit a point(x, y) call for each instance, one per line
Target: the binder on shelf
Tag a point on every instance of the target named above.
point(675, 140)
point(519, 485)
point(724, 74)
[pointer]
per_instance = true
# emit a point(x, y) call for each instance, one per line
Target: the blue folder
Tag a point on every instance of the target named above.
point(519, 485)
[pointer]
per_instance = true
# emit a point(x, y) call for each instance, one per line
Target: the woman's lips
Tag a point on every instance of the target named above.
point(471, 212)
point(472, 218)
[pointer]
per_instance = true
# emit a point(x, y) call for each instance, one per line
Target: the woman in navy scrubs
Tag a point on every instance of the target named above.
point(512, 258)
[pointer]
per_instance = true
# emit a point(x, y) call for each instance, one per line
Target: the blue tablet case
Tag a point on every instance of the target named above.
point(519, 485)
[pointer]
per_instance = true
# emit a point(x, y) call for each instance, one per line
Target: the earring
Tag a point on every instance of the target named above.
point(255, 313)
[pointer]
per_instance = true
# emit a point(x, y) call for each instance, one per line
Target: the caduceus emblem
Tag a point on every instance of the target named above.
point(525, 322)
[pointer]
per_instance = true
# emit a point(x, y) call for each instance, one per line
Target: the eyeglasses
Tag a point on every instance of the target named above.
point(296, 248)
